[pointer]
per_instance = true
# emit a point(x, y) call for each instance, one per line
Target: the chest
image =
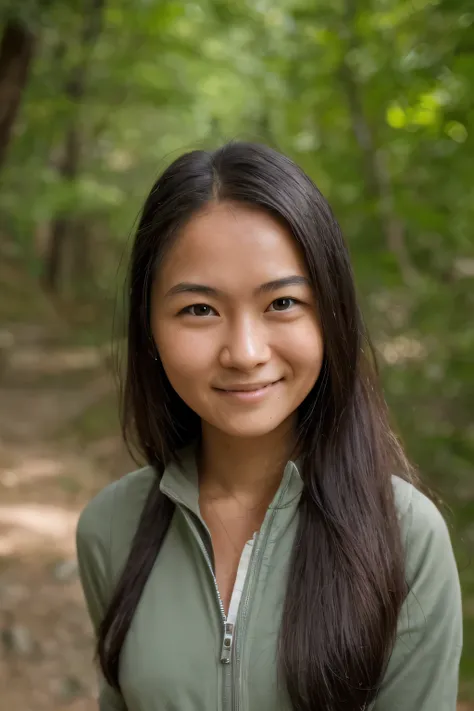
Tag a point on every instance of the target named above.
point(231, 531)
point(171, 658)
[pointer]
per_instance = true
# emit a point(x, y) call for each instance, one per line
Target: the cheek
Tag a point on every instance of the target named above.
point(303, 349)
point(185, 354)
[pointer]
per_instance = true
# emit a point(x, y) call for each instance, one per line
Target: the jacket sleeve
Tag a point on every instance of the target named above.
point(422, 674)
point(93, 555)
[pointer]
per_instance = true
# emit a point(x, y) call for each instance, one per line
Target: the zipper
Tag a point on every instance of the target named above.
point(228, 636)
point(241, 616)
point(226, 651)
point(260, 544)
point(232, 676)
point(228, 628)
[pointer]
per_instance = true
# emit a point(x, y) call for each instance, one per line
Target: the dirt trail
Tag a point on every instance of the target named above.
point(46, 476)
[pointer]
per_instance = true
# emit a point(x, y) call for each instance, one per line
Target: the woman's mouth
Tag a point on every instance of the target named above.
point(248, 392)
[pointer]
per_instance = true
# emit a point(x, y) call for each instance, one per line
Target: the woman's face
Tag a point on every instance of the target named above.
point(235, 321)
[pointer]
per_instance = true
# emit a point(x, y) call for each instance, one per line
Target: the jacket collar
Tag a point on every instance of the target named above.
point(180, 483)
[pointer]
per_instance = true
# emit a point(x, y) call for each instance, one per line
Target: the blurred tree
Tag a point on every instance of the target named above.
point(64, 225)
point(16, 53)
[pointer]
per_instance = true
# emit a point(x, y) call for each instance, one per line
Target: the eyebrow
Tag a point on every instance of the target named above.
point(186, 287)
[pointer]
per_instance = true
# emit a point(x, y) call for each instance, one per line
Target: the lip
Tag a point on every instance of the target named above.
point(249, 392)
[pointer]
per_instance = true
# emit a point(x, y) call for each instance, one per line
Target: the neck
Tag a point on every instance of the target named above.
point(248, 468)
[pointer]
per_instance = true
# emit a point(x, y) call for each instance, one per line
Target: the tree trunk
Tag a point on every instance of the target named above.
point(378, 183)
point(16, 52)
point(64, 228)
point(63, 225)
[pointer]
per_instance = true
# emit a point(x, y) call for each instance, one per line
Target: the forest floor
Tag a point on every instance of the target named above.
point(59, 444)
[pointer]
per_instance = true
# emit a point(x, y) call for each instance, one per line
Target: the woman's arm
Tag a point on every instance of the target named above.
point(422, 674)
point(93, 554)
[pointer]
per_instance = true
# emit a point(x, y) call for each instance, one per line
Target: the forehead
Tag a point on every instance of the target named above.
point(228, 245)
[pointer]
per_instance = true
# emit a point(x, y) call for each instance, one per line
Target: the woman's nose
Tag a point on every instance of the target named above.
point(246, 346)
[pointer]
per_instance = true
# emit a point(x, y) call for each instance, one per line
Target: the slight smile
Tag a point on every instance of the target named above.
point(248, 392)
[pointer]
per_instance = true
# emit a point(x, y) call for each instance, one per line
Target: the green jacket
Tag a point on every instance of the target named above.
point(171, 659)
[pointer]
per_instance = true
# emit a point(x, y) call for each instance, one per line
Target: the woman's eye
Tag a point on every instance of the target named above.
point(199, 310)
point(282, 304)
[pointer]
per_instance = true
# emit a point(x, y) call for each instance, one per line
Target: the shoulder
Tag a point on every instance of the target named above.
point(424, 530)
point(416, 512)
point(104, 532)
point(423, 668)
point(116, 509)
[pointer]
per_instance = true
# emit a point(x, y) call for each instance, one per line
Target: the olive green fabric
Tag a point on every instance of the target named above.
point(171, 657)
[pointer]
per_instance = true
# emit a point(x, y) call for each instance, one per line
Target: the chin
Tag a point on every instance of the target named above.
point(245, 428)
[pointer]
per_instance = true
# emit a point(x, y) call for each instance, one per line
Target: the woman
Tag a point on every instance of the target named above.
point(275, 552)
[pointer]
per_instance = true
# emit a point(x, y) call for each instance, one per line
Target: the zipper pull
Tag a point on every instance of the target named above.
point(227, 643)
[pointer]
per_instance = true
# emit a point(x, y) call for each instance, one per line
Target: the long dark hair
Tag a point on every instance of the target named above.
point(339, 622)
